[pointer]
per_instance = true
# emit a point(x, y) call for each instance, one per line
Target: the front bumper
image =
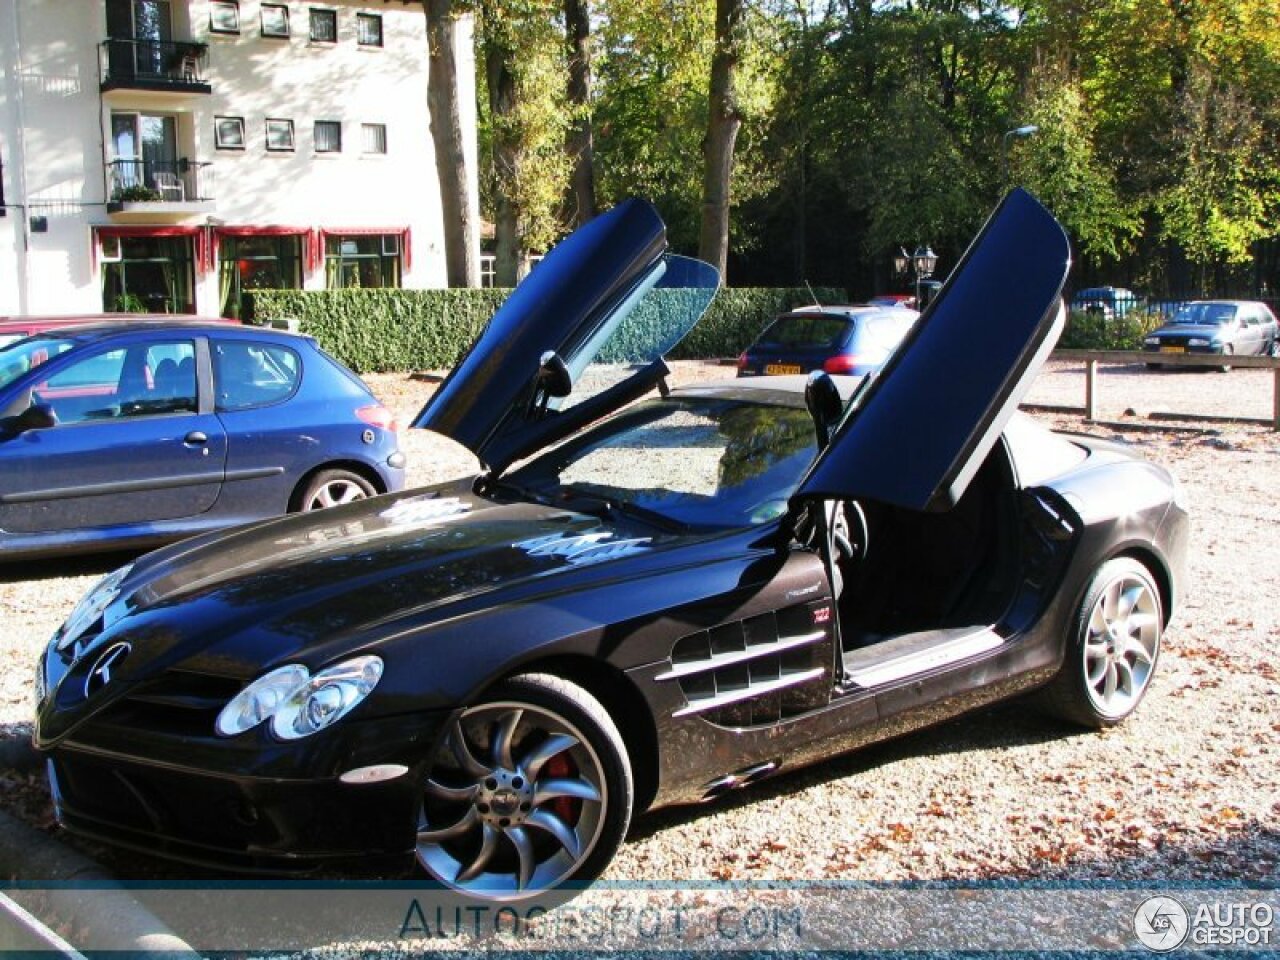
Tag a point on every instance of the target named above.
point(245, 822)
point(1180, 348)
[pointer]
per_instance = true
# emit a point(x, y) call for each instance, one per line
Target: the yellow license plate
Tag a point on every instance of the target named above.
point(775, 369)
point(1173, 349)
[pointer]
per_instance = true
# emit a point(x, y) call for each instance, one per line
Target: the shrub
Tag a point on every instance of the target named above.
point(376, 331)
point(1092, 330)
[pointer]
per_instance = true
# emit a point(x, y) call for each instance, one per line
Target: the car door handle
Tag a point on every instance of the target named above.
point(195, 438)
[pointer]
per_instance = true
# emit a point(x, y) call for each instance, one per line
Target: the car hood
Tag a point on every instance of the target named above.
point(1187, 330)
point(315, 587)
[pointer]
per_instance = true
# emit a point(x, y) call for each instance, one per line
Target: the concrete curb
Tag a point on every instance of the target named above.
point(75, 899)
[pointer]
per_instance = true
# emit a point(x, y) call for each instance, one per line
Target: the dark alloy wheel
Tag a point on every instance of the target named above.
point(1112, 655)
point(328, 488)
point(531, 790)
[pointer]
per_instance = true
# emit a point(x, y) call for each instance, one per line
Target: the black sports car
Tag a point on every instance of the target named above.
point(628, 609)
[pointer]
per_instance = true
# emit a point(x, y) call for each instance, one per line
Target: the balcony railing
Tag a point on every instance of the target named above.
point(154, 65)
point(148, 181)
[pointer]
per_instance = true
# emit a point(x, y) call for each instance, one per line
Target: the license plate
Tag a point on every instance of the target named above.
point(776, 369)
point(1173, 349)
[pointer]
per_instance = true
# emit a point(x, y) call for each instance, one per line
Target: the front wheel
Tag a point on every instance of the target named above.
point(328, 488)
point(1227, 350)
point(531, 790)
point(1113, 650)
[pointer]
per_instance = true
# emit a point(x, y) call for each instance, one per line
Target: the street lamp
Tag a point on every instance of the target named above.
point(1017, 133)
point(922, 263)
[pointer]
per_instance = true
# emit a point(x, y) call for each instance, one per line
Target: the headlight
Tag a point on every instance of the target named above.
point(1198, 342)
point(260, 699)
point(298, 704)
point(1152, 341)
point(90, 608)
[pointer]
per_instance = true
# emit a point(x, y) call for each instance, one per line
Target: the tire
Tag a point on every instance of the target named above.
point(536, 752)
point(1109, 648)
point(1274, 349)
point(1227, 350)
point(328, 488)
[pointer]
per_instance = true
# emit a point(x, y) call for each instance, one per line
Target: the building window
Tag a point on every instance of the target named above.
point(256, 263)
point(369, 29)
point(362, 261)
point(228, 133)
point(152, 275)
point(324, 26)
point(328, 136)
point(224, 16)
point(373, 137)
point(275, 20)
point(280, 136)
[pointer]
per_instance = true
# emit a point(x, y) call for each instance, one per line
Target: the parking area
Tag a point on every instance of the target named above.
point(1189, 789)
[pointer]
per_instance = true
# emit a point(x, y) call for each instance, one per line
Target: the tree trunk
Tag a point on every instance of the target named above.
point(722, 132)
point(578, 142)
point(508, 253)
point(461, 229)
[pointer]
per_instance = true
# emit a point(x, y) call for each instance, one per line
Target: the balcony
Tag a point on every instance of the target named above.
point(154, 66)
point(148, 189)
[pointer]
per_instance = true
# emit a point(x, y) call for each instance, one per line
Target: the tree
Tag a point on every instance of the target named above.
point(1061, 166)
point(527, 121)
point(579, 140)
point(723, 123)
point(461, 229)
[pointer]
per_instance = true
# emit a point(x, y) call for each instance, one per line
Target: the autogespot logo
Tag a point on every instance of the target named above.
point(105, 667)
point(1161, 924)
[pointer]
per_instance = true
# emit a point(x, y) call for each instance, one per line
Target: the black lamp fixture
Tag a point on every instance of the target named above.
point(921, 264)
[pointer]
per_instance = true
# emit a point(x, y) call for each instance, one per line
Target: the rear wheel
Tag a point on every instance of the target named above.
point(531, 790)
point(1113, 651)
point(328, 488)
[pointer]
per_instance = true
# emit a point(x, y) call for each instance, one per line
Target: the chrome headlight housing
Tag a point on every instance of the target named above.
point(91, 606)
point(298, 704)
point(1200, 342)
point(1152, 341)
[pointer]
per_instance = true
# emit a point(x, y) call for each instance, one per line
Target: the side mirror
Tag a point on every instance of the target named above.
point(554, 378)
point(825, 406)
point(38, 416)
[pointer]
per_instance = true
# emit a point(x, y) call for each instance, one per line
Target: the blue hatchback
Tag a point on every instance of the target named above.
point(133, 434)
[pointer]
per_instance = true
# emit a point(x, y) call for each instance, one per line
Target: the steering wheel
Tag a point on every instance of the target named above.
point(849, 533)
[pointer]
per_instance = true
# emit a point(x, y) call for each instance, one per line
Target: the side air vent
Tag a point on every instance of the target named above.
point(755, 671)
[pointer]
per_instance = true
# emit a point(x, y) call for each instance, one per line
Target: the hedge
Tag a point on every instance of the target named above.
point(377, 331)
point(1093, 330)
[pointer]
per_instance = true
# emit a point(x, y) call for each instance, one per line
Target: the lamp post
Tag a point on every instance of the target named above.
point(1017, 133)
point(922, 263)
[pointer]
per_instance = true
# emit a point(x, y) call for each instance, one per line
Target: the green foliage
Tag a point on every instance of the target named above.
point(1087, 330)
point(375, 331)
point(136, 193)
point(1061, 166)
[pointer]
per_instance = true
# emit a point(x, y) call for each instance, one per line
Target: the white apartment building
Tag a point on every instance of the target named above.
point(168, 154)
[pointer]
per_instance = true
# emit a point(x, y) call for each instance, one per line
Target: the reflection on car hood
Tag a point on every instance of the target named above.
point(364, 550)
point(316, 587)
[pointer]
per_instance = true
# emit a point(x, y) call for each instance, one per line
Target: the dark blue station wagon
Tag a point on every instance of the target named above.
point(133, 434)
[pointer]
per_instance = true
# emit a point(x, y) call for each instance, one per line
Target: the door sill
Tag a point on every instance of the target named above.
point(909, 654)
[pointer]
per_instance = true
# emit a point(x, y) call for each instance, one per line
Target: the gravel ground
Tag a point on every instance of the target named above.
point(1188, 789)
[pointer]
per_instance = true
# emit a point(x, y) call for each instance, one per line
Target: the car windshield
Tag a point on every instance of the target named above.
point(806, 331)
point(17, 358)
point(1205, 314)
point(701, 463)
